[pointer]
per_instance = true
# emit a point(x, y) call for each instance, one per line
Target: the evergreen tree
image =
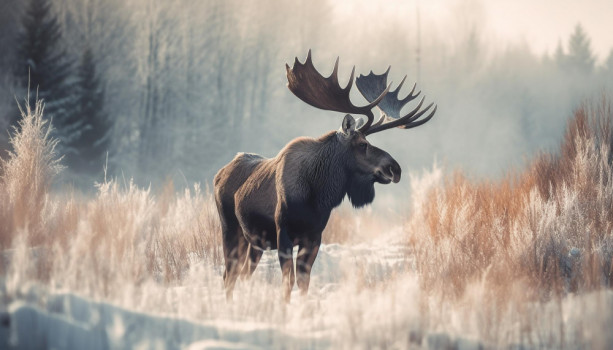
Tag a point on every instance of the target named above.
point(90, 139)
point(43, 65)
point(560, 56)
point(580, 58)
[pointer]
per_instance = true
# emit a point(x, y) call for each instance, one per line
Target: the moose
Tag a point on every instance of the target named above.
point(286, 201)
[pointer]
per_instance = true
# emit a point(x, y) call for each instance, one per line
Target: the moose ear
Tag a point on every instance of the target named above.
point(348, 125)
point(360, 122)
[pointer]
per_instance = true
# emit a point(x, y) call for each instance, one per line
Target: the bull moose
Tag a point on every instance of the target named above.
point(281, 202)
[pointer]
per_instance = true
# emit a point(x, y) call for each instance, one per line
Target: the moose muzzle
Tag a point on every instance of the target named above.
point(388, 172)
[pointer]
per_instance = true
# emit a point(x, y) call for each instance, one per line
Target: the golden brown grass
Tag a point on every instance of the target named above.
point(122, 234)
point(538, 232)
point(342, 227)
point(26, 177)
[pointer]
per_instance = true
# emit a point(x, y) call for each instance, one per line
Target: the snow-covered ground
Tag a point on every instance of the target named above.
point(361, 296)
point(195, 314)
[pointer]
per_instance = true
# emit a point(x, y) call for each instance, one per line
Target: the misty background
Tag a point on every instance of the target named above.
point(162, 90)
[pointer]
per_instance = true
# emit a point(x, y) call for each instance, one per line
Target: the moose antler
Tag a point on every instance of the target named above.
point(325, 93)
point(370, 85)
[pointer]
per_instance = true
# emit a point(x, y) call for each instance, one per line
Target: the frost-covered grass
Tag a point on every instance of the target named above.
point(524, 261)
point(547, 228)
point(538, 235)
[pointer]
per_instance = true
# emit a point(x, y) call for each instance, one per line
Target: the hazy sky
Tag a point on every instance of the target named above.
point(539, 23)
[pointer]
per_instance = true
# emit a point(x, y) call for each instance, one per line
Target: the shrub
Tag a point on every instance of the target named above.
point(545, 229)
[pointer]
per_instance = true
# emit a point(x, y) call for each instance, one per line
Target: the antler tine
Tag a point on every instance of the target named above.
point(325, 93)
point(422, 121)
point(410, 96)
point(350, 83)
point(408, 121)
point(402, 82)
point(380, 121)
point(409, 118)
point(334, 75)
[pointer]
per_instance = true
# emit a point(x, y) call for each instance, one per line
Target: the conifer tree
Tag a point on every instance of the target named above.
point(43, 66)
point(560, 56)
point(580, 58)
point(90, 139)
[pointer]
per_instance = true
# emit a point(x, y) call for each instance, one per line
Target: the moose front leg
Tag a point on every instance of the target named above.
point(286, 260)
point(307, 253)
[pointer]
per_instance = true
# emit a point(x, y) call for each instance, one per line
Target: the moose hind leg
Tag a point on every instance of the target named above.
point(235, 248)
point(307, 253)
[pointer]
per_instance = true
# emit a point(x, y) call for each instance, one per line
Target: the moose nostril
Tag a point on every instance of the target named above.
point(396, 168)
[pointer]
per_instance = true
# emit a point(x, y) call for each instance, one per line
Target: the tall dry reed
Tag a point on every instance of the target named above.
point(26, 177)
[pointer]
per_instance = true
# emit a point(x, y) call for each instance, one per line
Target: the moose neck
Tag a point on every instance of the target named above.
point(331, 180)
point(328, 173)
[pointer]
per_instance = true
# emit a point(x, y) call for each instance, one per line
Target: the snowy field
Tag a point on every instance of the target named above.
point(195, 314)
point(362, 296)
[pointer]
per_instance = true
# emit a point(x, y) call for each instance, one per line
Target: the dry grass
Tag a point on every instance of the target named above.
point(347, 225)
point(26, 177)
point(124, 234)
point(540, 232)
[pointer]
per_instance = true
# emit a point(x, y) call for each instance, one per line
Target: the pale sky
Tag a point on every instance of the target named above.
point(539, 23)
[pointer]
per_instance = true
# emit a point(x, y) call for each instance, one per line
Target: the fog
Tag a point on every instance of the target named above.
point(190, 83)
point(541, 25)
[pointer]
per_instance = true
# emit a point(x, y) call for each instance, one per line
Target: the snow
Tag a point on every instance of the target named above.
point(361, 296)
point(73, 322)
point(63, 320)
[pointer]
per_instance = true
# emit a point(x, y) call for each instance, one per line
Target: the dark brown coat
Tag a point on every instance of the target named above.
point(285, 201)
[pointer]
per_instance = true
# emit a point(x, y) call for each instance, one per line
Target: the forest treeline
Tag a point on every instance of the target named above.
point(156, 89)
